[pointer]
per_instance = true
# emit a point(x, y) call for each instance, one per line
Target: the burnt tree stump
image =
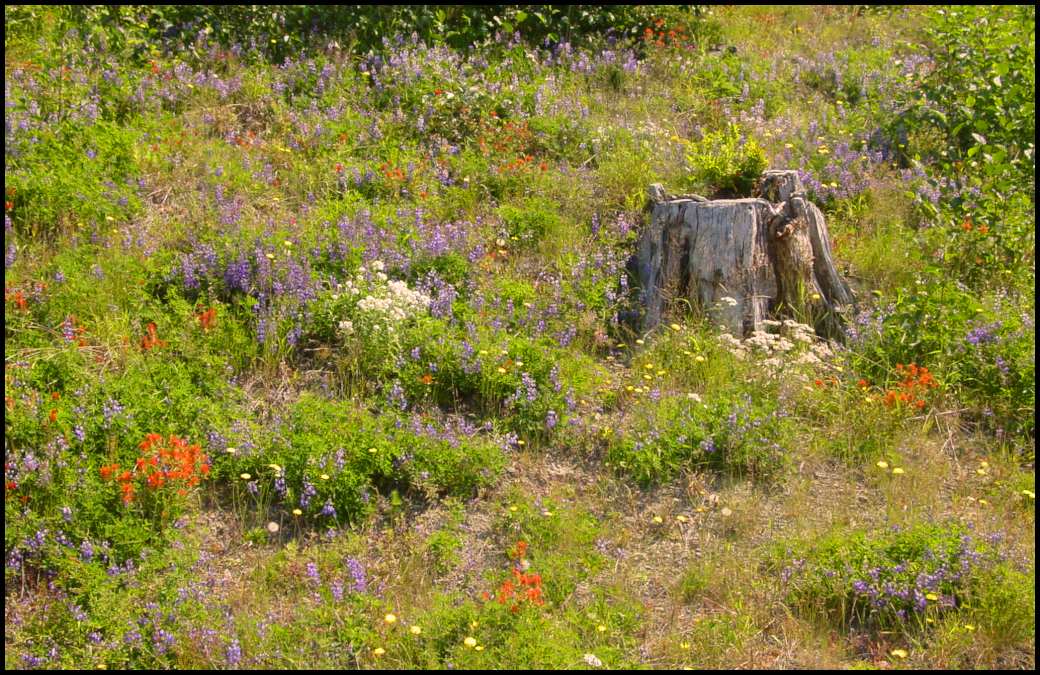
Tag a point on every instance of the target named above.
point(746, 259)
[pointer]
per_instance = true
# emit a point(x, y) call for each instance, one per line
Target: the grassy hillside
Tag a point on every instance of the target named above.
point(322, 347)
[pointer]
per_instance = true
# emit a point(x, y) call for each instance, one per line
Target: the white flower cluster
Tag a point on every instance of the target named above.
point(779, 349)
point(385, 305)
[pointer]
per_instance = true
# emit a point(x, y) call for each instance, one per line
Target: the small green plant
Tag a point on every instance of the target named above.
point(681, 433)
point(529, 224)
point(904, 579)
point(726, 162)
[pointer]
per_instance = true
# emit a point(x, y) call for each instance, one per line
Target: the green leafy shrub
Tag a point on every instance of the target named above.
point(65, 177)
point(531, 222)
point(726, 162)
point(682, 433)
point(327, 474)
point(981, 93)
point(900, 579)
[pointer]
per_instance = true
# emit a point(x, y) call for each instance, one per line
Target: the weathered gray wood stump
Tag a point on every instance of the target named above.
point(745, 260)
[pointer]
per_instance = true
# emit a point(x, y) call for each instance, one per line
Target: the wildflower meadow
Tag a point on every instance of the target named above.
point(324, 343)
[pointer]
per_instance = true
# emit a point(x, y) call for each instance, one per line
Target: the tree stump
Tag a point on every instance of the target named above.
point(746, 260)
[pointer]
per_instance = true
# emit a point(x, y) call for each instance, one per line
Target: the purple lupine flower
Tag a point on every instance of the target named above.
point(306, 493)
point(358, 573)
point(233, 652)
point(312, 575)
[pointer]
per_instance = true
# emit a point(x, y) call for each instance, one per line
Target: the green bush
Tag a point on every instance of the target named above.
point(743, 436)
point(899, 580)
point(726, 163)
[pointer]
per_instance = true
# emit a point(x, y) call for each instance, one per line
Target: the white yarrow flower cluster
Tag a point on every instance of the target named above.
point(778, 347)
point(383, 305)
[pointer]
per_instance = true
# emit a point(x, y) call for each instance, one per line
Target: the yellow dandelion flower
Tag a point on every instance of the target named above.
point(639, 342)
point(601, 628)
point(658, 519)
point(475, 624)
point(297, 512)
point(470, 642)
point(897, 470)
point(901, 653)
point(932, 596)
point(324, 476)
point(275, 467)
point(512, 508)
point(246, 476)
point(416, 629)
point(288, 244)
point(109, 218)
point(681, 519)
point(479, 648)
point(968, 627)
point(699, 358)
point(788, 145)
point(684, 645)
point(270, 256)
point(378, 651)
point(519, 363)
point(676, 326)
point(521, 442)
point(983, 464)
point(231, 451)
point(687, 353)
point(981, 472)
point(390, 618)
point(883, 465)
point(648, 376)
point(501, 370)
point(815, 296)
point(373, 449)
point(547, 514)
